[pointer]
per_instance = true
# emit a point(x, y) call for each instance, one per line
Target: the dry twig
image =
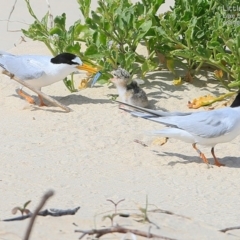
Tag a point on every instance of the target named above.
point(118, 229)
point(46, 196)
point(140, 142)
point(168, 212)
point(47, 212)
point(49, 14)
point(8, 20)
point(115, 204)
point(43, 95)
point(229, 229)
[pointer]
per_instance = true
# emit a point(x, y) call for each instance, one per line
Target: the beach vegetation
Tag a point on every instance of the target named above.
point(195, 34)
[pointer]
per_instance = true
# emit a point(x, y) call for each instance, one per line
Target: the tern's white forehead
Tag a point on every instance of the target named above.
point(77, 60)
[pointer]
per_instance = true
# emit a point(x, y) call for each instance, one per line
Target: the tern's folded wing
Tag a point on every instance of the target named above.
point(20, 67)
point(207, 124)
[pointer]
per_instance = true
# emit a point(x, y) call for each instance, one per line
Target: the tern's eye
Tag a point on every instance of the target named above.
point(75, 63)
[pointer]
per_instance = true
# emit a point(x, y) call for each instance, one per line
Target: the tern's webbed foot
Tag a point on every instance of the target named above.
point(216, 162)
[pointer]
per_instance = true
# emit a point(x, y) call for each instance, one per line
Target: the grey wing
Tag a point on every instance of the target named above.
point(168, 114)
point(20, 66)
point(151, 112)
point(208, 124)
point(152, 116)
point(5, 53)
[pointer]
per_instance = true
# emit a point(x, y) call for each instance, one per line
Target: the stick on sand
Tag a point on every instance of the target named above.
point(43, 95)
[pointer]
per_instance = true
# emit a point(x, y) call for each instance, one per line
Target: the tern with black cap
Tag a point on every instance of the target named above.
point(207, 128)
point(40, 71)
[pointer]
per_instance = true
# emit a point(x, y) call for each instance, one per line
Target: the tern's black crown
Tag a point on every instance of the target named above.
point(66, 58)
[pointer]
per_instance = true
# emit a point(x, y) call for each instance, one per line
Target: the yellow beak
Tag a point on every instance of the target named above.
point(87, 68)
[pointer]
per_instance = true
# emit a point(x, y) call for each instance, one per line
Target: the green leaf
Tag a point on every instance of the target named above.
point(79, 29)
point(91, 24)
point(215, 45)
point(44, 20)
point(60, 21)
point(99, 38)
point(170, 64)
point(55, 30)
point(234, 84)
point(26, 203)
point(84, 6)
point(92, 52)
point(144, 68)
point(142, 31)
point(182, 53)
point(75, 48)
point(203, 51)
point(95, 17)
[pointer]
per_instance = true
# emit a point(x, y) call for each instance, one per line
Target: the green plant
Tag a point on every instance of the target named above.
point(225, 35)
point(199, 32)
point(112, 34)
point(117, 28)
point(193, 33)
point(57, 38)
point(113, 215)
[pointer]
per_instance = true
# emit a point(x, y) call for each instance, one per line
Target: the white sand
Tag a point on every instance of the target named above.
point(89, 155)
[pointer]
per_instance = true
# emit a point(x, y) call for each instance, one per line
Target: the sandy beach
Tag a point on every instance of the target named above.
point(90, 155)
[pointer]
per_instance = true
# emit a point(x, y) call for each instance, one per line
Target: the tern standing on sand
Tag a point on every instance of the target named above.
point(40, 71)
point(206, 128)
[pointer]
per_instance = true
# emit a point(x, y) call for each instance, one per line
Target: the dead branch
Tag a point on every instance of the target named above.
point(229, 229)
point(8, 20)
point(58, 212)
point(23, 217)
point(46, 196)
point(50, 14)
point(47, 212)
point(118, 229)
point(168, 212)
point(43, 95)
point(140, 142)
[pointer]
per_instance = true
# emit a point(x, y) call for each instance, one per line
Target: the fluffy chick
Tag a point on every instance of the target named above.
point(129, 93)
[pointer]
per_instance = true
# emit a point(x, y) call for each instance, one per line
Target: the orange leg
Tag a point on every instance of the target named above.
point(21, 93)
point(42, 104)
point(202, 156)
point(217, 163)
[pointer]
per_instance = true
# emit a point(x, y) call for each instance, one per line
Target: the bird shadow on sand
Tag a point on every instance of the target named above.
point(72, 99)
point(77, 99)
point(230, 162)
